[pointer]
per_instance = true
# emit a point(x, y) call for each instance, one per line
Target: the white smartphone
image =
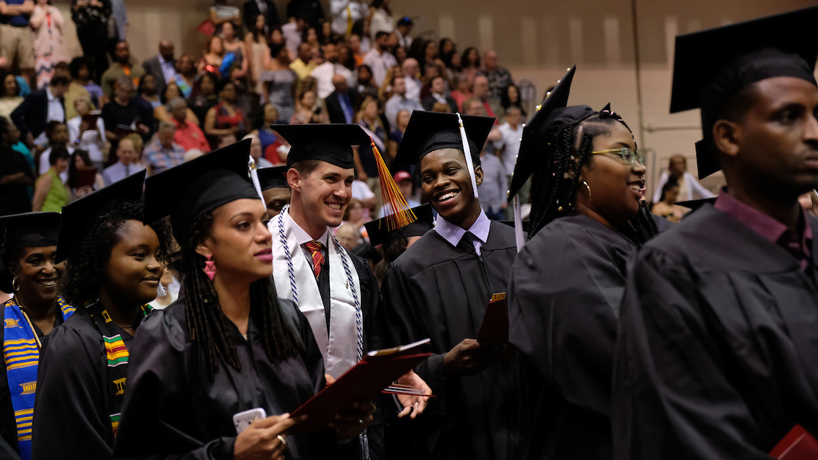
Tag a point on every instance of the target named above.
point(243, 419)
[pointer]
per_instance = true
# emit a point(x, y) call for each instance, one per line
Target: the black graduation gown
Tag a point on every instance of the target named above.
point(173, 408)
point(8, 423)
point(441, 292)
point(563, 300)
point(71, 417)
point(718, 348)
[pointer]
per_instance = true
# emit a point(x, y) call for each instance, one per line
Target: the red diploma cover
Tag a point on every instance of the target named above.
point(798, 444)
point(495, 321)
point(91, 118)
point(364, 380)
point(86, 177)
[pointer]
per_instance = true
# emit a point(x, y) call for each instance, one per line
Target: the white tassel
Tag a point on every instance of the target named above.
point(467, 152)
point(254, 177)
point(519, 234)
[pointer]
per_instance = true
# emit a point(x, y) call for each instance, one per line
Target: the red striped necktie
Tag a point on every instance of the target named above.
point(317, 257)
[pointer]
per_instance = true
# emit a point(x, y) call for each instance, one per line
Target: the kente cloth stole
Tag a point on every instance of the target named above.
point(117, 356)
point(21, 352)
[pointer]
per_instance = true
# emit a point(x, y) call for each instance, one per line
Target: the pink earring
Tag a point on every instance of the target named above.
point(210, 268)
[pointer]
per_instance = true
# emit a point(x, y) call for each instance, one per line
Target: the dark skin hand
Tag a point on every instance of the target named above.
point(471, 357)
point(353, 421)
point(260, 439)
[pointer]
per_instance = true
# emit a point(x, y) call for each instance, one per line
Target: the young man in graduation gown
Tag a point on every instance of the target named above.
point(274, 188)
point(718, 339)
point(335, 290)
point(440, 288)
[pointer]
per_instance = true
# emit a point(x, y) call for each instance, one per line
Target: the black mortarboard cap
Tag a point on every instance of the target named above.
point(430, 131)
point(327, 142)
point(191, 189)
point(30, 230)
point(550, 118)
point(712, 65)
point(78, 217)
point(378, 232)
point(696, 204)
point(273, 177)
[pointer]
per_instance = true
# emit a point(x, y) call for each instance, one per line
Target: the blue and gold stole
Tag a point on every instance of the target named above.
point(21, 352)
point(117, 357)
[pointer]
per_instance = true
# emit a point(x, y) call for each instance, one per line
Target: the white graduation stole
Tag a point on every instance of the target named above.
point(339, 345)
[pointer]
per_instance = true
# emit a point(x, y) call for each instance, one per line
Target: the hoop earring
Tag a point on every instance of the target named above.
point(210, 268)
point(15, 285)
point(589, 189)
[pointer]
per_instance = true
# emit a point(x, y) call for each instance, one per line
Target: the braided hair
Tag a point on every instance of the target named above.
point(556, 180)
point(207, 325)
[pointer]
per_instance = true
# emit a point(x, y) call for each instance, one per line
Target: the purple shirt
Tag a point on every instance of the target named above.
point(797, 243)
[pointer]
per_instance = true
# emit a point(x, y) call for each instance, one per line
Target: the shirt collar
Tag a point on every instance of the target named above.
point(759, 222)
point(303, 237)
point(453, 233)
point(48, 93)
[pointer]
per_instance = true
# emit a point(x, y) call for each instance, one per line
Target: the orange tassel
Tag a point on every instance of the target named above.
point(402, 214)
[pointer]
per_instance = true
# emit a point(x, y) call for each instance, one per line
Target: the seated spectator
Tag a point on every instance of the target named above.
point(148, 91)
point(379, 58)
point(362, 193)
point(80, 161)
point(689, 187)
point(50, 194)
point(499, 78)
point(73, 92)
point(16, 173)
point(82, 135)
point(404, 181)
point(411, 73)
point(304, 64)
point(57, 135)
point(396, 136)
point(192, 154)
point(354, 43)
point(429, 56)
point(10, 97)
point(342, 102)
point(40, 107)
point(225, 117)
point(512, 132)
point(204, 96)
point(163, 153)
point(92, 19)
point(324, 72)
point(162, 112)
point(80, 69)
point(381, 17)
point(264, 8)
point(432, 71)
point(666, 206)
point(462, 91)
point(17, 46)
point(257, 44)
point(368, 117)
point(399, 101)
point(162, 66)
point(124, 111)
point(256, 152)
point(185, 77)
point(307, 109)
point(451, 66)
point(270, 141)
point(293, 32)
point(437, 89)
point(494, 187)
point(47, 27)
point(510, 97)
point(366, 82)
point(345, 56)
point(446, 46)
point(481, 93)
point(138, 146)
point(188, 134)
point(122, 66)
point(440, 107)
point(348, 235)
point(278, 82)
point(222, 13)
point(226, 140)
point(126, 165)
point(18, 146)
point(361, 29)
point(470, 64)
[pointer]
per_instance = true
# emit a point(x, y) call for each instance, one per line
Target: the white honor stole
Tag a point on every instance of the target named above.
point(296, 281)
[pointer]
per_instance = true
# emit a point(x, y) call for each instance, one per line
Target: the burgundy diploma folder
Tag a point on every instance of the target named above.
point(495, 321)
point(365, 380)
point(798, 444)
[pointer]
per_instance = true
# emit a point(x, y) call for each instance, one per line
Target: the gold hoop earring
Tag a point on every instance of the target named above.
point(15, 285)
point(589, 189)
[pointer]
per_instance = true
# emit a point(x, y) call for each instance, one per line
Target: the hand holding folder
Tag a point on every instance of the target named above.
point(364, 381)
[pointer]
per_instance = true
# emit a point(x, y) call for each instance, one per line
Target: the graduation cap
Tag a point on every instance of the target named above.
point(273, 177)
point(77, 217)
point(379, 233)
point(712, 65)
point(695, 204)
point(191, 189)
point(30, 230)
point(331, 143)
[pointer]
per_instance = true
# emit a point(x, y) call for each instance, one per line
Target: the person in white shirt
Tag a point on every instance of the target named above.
point(411, 70)
point(86, 137)
point(345, 13)
point(399, 101)
point(402, 30)
point(379, 59)
point(324, 72)
point(292, 32)
point(512, 132)
point(689, 187)
point(57, 134)
point(126, 152)
point(381, 17)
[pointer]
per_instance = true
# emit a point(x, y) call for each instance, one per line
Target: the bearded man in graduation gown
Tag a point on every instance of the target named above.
point(440, 288)
point(335, 290)
point(718, 341)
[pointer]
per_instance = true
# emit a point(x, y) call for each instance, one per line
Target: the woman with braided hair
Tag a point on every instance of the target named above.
point(566, 284)
point(229, 345)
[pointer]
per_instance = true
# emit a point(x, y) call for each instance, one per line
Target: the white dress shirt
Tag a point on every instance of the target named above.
point(341, 9)
point(92, 141)
point(168, 70)
point(412, 88)
point(511, 145)
point(379, 63)
point(324, 72)
point(56, 112)
point(453, 234)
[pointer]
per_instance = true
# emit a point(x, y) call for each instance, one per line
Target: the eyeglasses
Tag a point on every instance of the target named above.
point(628, 156)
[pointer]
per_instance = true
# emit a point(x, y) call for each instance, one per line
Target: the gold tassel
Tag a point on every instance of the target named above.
point(402, 214)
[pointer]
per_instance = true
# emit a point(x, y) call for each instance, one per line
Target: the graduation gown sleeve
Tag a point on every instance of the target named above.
point(70, 417)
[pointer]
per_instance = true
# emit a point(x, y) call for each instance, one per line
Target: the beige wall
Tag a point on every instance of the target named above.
point(537, 40)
